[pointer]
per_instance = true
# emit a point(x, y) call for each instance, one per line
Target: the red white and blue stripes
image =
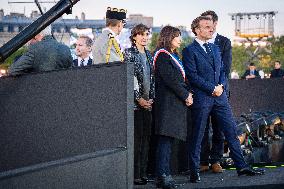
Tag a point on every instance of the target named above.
point(175, 59)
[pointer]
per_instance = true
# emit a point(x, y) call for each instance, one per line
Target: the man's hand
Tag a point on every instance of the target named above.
point(147, 104)
point(250, 76)
point(189, 100)
point(218, 90)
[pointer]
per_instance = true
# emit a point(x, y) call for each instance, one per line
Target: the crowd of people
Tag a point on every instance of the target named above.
point(168, 90)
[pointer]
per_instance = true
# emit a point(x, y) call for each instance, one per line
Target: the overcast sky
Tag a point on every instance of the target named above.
point(178, 12)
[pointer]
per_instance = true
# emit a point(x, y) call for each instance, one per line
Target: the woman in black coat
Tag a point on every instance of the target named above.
point(172, 97)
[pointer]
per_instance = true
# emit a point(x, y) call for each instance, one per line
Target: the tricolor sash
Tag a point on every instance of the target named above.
point(175, 59)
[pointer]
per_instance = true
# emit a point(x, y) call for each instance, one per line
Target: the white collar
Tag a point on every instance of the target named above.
point(201, 43)
point(85, 59)
point(212, 40)
point(112, 32)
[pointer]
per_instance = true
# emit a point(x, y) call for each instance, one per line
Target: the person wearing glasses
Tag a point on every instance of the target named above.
point(106, 48)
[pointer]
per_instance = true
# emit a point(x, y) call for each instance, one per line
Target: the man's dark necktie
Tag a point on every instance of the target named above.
point(82, 62)
point(208, 50)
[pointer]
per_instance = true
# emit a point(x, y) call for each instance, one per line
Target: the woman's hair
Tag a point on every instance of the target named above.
point(138, 30)
point(167, 34)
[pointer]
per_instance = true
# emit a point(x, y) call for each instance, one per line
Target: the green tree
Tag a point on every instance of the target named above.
point(277, 49)
point(154, 40)
point(185, 41)
point(239, 59)
point(12, 57)
point(265, 60)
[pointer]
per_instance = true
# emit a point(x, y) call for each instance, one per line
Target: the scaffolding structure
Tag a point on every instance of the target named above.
point(253, 29)
point(254, 25)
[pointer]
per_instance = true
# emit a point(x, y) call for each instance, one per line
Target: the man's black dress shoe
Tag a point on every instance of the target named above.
point(166, 182)
point(194, 177)
point(250, 171)
point(140, 181)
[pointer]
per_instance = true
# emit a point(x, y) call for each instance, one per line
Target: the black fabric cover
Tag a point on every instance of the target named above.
point(257, 95)
point(55, 115)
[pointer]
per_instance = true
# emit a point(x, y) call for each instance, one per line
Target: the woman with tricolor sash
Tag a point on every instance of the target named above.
point(172, 98)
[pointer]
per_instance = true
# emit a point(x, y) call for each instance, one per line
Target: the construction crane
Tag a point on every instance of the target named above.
point(39, 7)
point(35, 1)
point(31, 2)
point(62, 7)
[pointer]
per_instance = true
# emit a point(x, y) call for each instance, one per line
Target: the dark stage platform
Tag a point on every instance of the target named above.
point(273, 178)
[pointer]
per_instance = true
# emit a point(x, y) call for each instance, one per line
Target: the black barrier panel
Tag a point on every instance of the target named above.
point(257, 95)
point(88, 171)
point(50, 116)
point(58, 163)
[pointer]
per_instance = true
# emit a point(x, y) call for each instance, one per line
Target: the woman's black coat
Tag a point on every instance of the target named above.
point(171, 93)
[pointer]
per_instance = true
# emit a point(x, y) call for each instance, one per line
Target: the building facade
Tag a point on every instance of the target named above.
point(12, 24)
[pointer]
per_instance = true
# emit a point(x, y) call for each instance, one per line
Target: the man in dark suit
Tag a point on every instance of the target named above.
point(277, 72)
point(45, 55)
point(223, 43)
point(204, 70)
point(251, 72)
point(214, 153)
point(83, 50)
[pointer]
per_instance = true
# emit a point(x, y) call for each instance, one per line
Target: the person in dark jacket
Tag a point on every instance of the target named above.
point(83, 51)
point(171, 102)
point(203, 66)
point(213, 153)
point(143, 98)
point(277, 72)
point(45, 55)
point(251, 72)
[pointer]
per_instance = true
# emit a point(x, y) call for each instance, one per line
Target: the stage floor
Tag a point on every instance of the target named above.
point(273, 178)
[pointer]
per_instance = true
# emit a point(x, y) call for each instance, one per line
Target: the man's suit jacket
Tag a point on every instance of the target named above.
point(75, 62)
point(277, 73)
point(247, 72)
point(100, 49)
point(45, 55)
point(203, 75)
point(225, 48)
